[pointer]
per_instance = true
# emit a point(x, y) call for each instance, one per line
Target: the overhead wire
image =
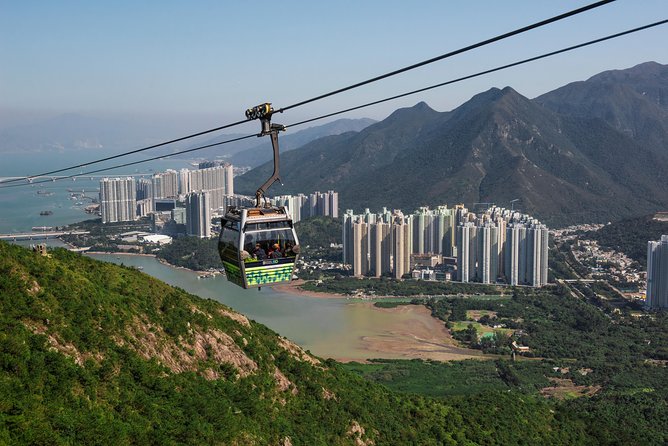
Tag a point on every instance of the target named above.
point(451, 53)
point(481, 73)
point(368, 104)
point(132, 163)
point(334, 92)
point(132, 152)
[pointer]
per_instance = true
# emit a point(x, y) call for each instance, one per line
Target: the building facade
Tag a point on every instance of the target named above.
point(118, 199)
point(657, 274)
point(198, 214)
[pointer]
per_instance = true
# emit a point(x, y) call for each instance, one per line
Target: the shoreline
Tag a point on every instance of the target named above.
point(414, 334)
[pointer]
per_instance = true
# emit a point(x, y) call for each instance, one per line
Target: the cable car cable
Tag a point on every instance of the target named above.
point(131, 163)
point(481, 73)
point(452, 53)
point(492, 70)
point(338, 91)
point(132, 152)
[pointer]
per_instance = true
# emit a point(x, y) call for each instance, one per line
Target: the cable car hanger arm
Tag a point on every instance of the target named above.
point(263, 112)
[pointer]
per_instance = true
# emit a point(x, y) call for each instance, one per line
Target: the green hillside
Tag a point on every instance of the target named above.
point(95, 353)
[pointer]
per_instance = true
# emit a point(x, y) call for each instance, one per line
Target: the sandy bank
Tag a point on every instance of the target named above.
point(415, 335)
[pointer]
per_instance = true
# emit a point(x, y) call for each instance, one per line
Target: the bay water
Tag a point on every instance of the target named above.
point(331, 327)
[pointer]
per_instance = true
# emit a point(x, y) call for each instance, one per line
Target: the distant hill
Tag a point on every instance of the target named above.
point(564, 166)
point(633, 101)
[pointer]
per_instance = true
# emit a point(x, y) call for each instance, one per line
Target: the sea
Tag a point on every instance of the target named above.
point(22, 203)
point(339, 328)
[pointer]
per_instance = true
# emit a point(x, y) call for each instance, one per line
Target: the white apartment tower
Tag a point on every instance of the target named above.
point(360, 249)
point(118, 199)
point(166, 184)
point(198, 214)
point(657, 274)
point(380, 246)
point(401, 246)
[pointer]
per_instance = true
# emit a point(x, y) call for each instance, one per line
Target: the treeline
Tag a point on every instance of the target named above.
point(386, 286)
point(199, 254)
point(71, 330)
point(71, 373)
point(319, 231)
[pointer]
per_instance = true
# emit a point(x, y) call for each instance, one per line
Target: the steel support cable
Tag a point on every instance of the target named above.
point(481, 73)
point(340, 90)
point(132, 152)
point(133, 163)
point(452, 53)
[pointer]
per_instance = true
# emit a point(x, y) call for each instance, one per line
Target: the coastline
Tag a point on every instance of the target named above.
point(411, 332)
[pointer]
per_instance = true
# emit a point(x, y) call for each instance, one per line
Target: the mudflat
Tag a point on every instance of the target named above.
point(415, 335)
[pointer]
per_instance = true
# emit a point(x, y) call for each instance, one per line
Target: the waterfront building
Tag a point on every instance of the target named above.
point(118, 199)
point(657, 274)
point(198, 214)
point(493, 246)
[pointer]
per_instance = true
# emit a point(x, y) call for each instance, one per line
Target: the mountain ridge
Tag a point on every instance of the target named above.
point(498, 146)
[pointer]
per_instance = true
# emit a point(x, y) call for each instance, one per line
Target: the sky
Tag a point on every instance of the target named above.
point(207, 61)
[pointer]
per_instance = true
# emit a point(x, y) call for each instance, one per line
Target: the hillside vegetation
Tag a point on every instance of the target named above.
point(95, 353)
point(631, 235)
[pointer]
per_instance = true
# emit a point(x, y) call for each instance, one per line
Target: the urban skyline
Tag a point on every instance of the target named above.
point(497, 245)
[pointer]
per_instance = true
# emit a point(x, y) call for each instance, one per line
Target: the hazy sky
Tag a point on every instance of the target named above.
point(218, 58)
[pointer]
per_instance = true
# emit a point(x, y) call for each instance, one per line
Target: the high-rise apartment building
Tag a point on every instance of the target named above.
point(360, 248)
point(218, 180)
point(118, 199)
point(657, 274)
point(401, 245)
point(316, 204)
point(198, 214)
point(347, 237)
point(166, 184)
point(494, 246)
point(380, 248)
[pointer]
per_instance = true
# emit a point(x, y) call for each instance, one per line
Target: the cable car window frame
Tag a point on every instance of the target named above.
point(281, 236)
point(230, 250)
point(267, 225)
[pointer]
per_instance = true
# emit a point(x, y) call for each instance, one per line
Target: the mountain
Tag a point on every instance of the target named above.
point(95, 353)
point(633, 101)
point(564, 166)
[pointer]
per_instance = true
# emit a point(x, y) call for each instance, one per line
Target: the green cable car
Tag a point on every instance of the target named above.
point(258, 245)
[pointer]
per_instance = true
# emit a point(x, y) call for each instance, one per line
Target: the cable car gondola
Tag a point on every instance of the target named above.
point(259, 245)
